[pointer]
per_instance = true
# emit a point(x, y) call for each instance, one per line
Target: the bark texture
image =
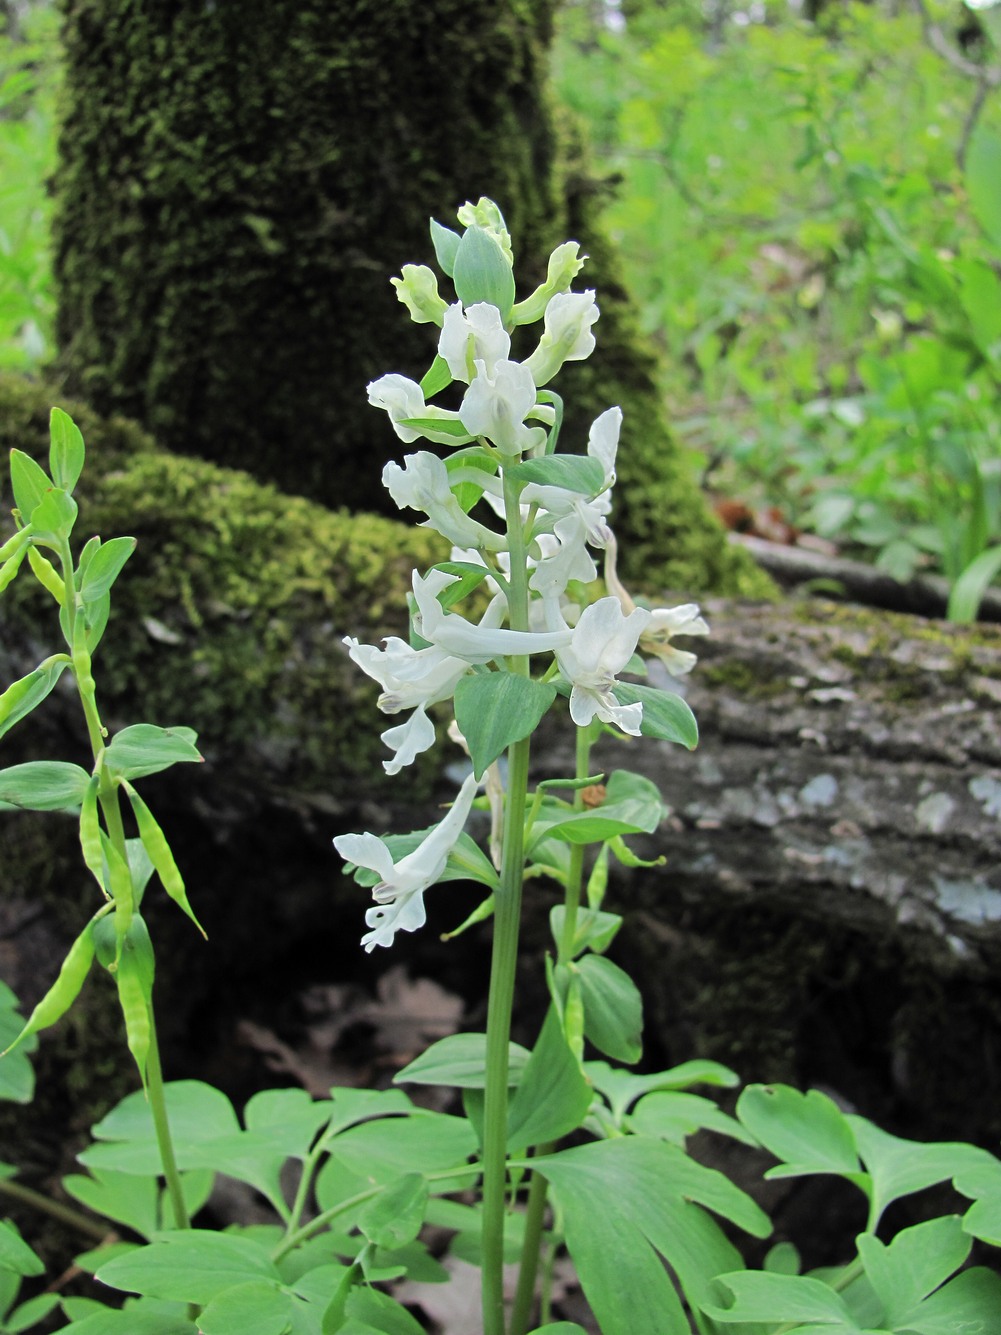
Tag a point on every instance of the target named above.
point(236, 186)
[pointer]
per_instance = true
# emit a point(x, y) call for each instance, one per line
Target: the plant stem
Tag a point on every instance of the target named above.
point(109, 800)
point(507, 921)
point(158, 1107)
point(538, 1190)
point(64, 1213)
point(531, 1250)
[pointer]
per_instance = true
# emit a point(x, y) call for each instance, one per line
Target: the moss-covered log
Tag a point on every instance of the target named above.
point(237, 183)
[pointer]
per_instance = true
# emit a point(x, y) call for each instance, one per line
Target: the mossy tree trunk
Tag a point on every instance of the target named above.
point(238, 182)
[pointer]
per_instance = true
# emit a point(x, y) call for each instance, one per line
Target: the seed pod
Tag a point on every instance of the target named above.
point(46, 574)
point(135, 1001)
point(121, 888)
point(90, 834)
point(64, 991)
point(156, 845)
point(573, 1016)
point(597, 882)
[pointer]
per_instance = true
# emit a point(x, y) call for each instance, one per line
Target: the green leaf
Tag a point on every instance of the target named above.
point(142, 1316)
point(17, 1079)
point(30, 483)
point(470, 577)
point(624, 1201)
point(436, 378)
point(613, 1009)
point(969, 1303)
point(396, 1215)
point(22, 697)
point(437, 427)
point(983, 180)
point(42, 785)
point(256, 1307)
point(377, 1152)
point(30, 1313)
point(15, 1254)
point(104, 568)
point(571, 472)
point(622, 1088)
point(666, 716)
point(593, 929)
point(900, 1167)
point(808, 1132)
point(559, 1328)
point(494, 709)
point(982, 1182)
point(967, 593)
point(197, 1113)
point(481, 272)
point(759, 1296)
point(66, 450)
point(459, 1061)
point(446, 246)
point(145, 749)
point(916, 1262)
point(54, 516)
point(190, 1265)
point(375, 1313)
point(674, 1116)
point(553, 1095)
point(632, 805)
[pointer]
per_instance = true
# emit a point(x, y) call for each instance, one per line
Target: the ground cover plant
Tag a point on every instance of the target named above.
point(560, 1147)
point(823, 276)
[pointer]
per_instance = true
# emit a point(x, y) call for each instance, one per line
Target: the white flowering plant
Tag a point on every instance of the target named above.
point(560, 1147)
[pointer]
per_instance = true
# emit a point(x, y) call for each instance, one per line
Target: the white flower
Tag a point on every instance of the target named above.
point(476, 335)
point(423, 484)
point(566, 334)
point(565, 557)
point(403, 400)
point(408, 740)
point(485, 213)
point(496, 405)
point(603, 641)
point(602, 445)
point(664, 624)
point(564, 267)
point(410, 679)
point(408, 676)
point(399, 896)
point(474, 643)
point(418, 290)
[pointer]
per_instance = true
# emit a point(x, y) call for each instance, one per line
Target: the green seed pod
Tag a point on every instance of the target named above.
point(47, 575)
point(65, 990)
point(90, 834)
point(134, 998)
point(573, 1016)
point(155, 843)
point(121, 888)
point(597, 882)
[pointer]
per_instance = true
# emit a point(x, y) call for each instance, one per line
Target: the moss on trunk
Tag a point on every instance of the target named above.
point(237, 183)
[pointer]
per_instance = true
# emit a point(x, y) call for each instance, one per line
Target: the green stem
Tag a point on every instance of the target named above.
point(507, 921)
point(158, 1107)
point(116, 833)
point(538, 1189)
point(575, 876)
point(314, 1226)
point(504, 959)
point(531, 1250)
point(64, 1213)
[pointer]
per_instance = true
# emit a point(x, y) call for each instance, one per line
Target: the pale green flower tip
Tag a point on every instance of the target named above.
point(485, 213)
point(418, 290)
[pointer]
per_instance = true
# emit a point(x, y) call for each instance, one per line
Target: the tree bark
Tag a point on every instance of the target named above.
point(237, 184)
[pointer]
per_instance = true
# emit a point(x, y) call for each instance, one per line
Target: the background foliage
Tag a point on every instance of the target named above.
point(810, 218)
